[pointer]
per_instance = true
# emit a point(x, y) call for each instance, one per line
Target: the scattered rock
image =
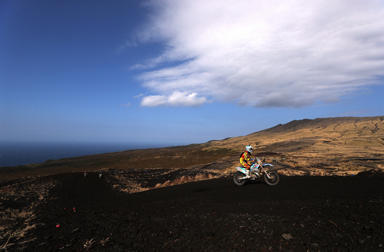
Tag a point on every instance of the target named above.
point(287, 236)
point(315, 245)
point(89, 243)
point(178, 218)
point(104, 241)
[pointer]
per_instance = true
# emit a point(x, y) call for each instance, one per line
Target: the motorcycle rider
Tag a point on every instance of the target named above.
point(248, 162)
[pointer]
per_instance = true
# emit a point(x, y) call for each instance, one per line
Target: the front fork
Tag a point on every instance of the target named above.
point(267, 174)
point(266, 170)
point(255, 166)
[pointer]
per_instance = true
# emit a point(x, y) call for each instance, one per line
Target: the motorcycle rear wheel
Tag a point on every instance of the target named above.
point(238, 179)
point(274, 178)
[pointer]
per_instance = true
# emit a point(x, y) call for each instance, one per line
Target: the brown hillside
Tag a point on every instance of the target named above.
point(326, 146)
point(322, 146)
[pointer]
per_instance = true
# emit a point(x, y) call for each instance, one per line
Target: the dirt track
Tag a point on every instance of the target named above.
point(300, 213)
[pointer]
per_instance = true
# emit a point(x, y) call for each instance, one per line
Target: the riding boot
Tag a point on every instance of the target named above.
point(251, 173)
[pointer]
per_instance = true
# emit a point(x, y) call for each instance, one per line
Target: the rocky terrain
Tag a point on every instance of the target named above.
point(331, 195)
point(301, 213)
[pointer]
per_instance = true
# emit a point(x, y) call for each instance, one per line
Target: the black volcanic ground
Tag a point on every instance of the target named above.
point(316, 213)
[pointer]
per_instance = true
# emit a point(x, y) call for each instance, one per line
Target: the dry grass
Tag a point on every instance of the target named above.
point(17, 214)
point(336, 146)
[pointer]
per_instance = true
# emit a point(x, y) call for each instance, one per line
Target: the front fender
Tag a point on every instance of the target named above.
point(270, 167)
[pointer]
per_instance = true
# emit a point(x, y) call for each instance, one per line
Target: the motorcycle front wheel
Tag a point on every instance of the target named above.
point(273, 178)
point(238, 179)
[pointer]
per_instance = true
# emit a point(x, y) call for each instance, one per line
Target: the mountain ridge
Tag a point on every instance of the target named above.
point(317, 121)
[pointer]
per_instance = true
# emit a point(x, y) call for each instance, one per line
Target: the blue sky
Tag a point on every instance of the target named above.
point(178, 72)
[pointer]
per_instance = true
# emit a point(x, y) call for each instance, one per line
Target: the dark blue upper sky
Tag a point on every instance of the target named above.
point(67, 73)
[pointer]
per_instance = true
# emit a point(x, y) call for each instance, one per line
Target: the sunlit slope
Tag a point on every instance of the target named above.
point(326, 145)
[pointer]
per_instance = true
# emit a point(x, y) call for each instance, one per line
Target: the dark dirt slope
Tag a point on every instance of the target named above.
point(300, 213)
point(161, 158)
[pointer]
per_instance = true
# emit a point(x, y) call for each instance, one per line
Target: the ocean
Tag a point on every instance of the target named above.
point(13, 154)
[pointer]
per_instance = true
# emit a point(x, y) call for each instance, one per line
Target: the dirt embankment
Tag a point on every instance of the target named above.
point(301, 213)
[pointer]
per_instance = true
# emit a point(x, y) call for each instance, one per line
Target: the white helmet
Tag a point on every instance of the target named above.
point(249, 148)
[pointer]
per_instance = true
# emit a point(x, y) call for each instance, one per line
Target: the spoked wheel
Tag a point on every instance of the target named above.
point(239, 179)
point(272, 178)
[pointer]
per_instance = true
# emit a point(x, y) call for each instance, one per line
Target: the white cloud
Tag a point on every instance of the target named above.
point(154, 100)
point(263, 53)
point(175, 99)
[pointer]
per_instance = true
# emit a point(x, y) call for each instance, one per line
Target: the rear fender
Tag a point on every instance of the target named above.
point(242, 170)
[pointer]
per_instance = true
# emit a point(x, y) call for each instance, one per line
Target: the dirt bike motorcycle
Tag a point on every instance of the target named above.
point(264, 172)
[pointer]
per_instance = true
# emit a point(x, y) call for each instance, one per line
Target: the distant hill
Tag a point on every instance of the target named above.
point(324, 146)
point(319, 146)
point(327, 128)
